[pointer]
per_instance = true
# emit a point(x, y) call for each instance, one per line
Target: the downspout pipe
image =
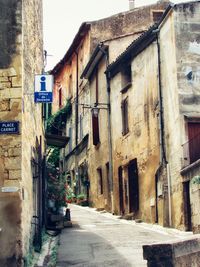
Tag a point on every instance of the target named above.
point(106, 53)
point(162, 127)
point(76, 124)
point(76, 101)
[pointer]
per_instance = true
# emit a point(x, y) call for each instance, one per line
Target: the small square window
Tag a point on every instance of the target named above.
point(126, 75)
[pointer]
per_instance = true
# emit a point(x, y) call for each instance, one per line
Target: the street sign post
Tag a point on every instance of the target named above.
point(43, 88)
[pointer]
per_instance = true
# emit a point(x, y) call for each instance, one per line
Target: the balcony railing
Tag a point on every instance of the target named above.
point(191, 150)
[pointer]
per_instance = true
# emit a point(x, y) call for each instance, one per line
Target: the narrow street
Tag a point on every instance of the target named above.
point(101, 239)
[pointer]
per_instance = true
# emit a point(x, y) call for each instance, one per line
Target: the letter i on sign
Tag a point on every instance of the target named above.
point(43, 83)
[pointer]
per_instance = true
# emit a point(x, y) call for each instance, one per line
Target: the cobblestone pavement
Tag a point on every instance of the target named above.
point(100, 239)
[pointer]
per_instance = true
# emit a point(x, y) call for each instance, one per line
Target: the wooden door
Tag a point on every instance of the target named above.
point(133, 186)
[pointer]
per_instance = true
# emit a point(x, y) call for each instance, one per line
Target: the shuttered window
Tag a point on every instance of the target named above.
point(194, 141)
point(60, 97)
point(95, 127)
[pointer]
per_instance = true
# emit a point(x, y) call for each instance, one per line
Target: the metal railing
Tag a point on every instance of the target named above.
point(191, 150)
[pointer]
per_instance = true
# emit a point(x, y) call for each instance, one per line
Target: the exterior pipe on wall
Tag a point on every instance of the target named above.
point(76, 123)
point(109, 129)
point(162, 138)
point(169, 194)
point(76, 102)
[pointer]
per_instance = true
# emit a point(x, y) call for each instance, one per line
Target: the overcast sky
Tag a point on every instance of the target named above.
point(62, 19)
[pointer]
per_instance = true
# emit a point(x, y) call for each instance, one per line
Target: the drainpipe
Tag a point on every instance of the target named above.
point(162, 126)
point(76, 125)
point(76, 102)
point(106, 53)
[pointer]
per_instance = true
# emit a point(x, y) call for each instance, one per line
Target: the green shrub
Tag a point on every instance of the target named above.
point(81, 196)
point(196, 179)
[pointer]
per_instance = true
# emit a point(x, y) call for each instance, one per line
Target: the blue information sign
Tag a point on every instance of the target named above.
point(9, 127)
point(43, 88)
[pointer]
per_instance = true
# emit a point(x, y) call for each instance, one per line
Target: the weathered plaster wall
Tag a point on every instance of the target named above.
point(134, 21)
point(180, 92)
point(142, 141)
point(98, 155)
point(171, 116)
point(32, 128)
point(187, 20)
point(118, 45)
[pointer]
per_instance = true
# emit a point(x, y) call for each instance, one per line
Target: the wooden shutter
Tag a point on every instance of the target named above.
point(194, 141)
point(95, 128)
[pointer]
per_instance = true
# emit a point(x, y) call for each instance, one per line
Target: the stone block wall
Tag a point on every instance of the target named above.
point(32, 129)
point(174, 254)
point(10, 145)
point(16, 80)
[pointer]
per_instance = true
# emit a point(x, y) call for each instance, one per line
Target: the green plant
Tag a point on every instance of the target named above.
point(56, 187)
point(81, 197)
point(57, 121)
point(54, 156)
point(196, 179)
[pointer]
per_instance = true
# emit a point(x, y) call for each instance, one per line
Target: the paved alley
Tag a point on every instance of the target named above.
point(100, 239)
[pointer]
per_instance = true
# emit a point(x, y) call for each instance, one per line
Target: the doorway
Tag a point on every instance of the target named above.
point(187, 205)
point(156, 191)
point(121, 191)
point(133, 186)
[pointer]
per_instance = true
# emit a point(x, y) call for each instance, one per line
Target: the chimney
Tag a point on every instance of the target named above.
point(131, 4)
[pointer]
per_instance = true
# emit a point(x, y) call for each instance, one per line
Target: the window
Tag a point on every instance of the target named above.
point(107, 176)
point(124, 108)
point(70, 85)
point(60, 97)
point(81, 127)
point(70, 139)
point(81, 54)
point(109, 182)
point(157, 15)
point(97, 86)
point(100, 178)
point(126, 75)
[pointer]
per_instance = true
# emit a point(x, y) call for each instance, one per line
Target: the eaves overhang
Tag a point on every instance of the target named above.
point(56, 140)
point(137, 46)
point(132, 51)
point(84, 28)
point(99, 52)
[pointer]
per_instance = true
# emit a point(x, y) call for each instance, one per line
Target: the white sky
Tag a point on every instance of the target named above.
point(62, 19)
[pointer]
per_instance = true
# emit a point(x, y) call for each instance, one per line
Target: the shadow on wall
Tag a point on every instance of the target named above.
point(9, 30)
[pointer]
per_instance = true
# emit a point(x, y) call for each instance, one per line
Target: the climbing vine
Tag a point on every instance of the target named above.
point(57, 121)
point(56, 182)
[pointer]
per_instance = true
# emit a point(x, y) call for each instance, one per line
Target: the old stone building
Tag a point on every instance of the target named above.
point(21, 140)
point(83, 155)
point(155, 140)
